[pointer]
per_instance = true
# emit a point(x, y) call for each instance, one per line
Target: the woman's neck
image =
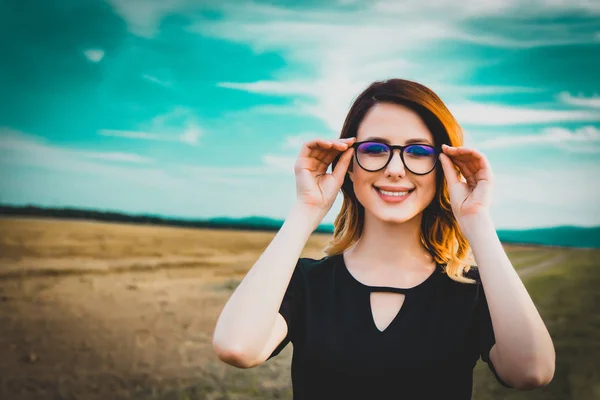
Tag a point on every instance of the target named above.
point(390, 246)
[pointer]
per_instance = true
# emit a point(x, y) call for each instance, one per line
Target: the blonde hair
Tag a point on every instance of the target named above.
point(440, 233)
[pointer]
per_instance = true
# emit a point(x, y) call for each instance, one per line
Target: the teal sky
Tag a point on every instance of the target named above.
point(198, 109)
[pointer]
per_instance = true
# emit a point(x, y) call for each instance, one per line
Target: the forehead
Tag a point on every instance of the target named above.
point(394, 122)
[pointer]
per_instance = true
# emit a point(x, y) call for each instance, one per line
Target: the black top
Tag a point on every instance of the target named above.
point(428, 351)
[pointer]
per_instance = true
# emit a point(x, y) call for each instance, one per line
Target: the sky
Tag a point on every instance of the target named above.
point(198, 109)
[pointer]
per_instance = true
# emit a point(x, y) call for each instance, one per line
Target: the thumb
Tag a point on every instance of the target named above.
point(342, 166)
point(449, 170)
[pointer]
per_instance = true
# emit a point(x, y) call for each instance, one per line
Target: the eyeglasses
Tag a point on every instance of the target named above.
point(420, 159)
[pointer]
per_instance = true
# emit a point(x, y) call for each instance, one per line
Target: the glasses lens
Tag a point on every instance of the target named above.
point(419, 159)
point(372, 156)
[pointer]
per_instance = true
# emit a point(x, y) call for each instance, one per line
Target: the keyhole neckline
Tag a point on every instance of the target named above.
point(370, 288)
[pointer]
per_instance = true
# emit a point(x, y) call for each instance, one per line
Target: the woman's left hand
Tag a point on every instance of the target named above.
point(474, 196)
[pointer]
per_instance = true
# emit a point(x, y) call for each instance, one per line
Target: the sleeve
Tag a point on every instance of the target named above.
point(487, 338)
point(290, 308)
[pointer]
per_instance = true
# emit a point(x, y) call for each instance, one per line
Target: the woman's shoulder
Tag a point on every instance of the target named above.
point(311, 264)
point(316, 268)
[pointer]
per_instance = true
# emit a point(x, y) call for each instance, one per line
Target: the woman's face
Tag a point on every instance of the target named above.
point(397, 124)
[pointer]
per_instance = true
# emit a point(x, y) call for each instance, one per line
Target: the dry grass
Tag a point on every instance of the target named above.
point(103, 310)
point(109, 311)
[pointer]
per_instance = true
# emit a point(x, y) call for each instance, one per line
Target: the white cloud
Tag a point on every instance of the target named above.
point(548, 195)
point(570, 188)
point(478, 8)
point(191, 135)
point(469, 90)
point(274, 88)
point(283, 163)
point(585, 139)
point(580, 100)
point(468, 139)
point(273, 166)
point(471, 113)
point(94, 55)
point(294, 109)
point(185, 191)
point(20, 143)
point(330, 40)
point(156, 80)
point(331, 101)
point(134, 135)
point(406, 21)
point(328, 99)
point(295, 142)
point(124, 157)
point(17, 148)
point(178, 125)
point(245, 171)
point(143, 17)
point(346, 49)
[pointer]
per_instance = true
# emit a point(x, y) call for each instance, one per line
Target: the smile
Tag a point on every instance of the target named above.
point(392, 197)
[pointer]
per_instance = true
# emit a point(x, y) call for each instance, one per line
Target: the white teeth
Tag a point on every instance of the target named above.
point(397, 194)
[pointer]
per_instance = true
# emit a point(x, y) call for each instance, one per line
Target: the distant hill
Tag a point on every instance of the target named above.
point(568, 236)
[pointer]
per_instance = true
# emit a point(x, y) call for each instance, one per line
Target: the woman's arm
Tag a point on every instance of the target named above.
point(524, 354)
point(249, 317)
point(249, 322)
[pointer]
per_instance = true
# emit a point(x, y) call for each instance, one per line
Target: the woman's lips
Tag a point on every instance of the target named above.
point(392, 199)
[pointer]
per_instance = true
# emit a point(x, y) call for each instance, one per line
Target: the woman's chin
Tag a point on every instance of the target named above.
point(394, 216)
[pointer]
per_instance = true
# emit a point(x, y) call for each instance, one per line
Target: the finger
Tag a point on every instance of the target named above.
point(327, 144)
point(475, 158)
point(339, 173)
point(312, 154)
point(334, 152)
point(321, 153)
point(319, 148)
point(464, 168)
point(322, 149)
point(341, 144)
point(464, 158)
point(327, 156)
point(449, 170)
point(312, 145)
point(473, 164)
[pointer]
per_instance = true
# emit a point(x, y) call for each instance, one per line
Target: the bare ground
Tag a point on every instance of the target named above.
point(108, 311)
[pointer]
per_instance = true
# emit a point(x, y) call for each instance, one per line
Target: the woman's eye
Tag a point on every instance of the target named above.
point(373, 149)
point(419, 151)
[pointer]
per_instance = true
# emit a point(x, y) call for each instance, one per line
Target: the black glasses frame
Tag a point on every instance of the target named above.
point(436, 150)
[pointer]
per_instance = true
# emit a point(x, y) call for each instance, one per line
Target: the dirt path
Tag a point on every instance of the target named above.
point(537, 268)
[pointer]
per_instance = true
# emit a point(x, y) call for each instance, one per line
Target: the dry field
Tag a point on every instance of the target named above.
point(108, 311)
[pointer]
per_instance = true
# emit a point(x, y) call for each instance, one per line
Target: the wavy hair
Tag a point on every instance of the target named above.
point(440, 233)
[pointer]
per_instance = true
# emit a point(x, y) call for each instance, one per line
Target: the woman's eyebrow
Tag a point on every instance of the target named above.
point(409, 141)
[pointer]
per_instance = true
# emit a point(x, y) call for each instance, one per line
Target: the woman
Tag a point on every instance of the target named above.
point(395, 309)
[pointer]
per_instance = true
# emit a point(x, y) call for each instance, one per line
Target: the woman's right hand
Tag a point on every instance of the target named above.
point(315, 188)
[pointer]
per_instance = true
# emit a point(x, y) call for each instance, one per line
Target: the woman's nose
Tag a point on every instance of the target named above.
point(396, 166)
